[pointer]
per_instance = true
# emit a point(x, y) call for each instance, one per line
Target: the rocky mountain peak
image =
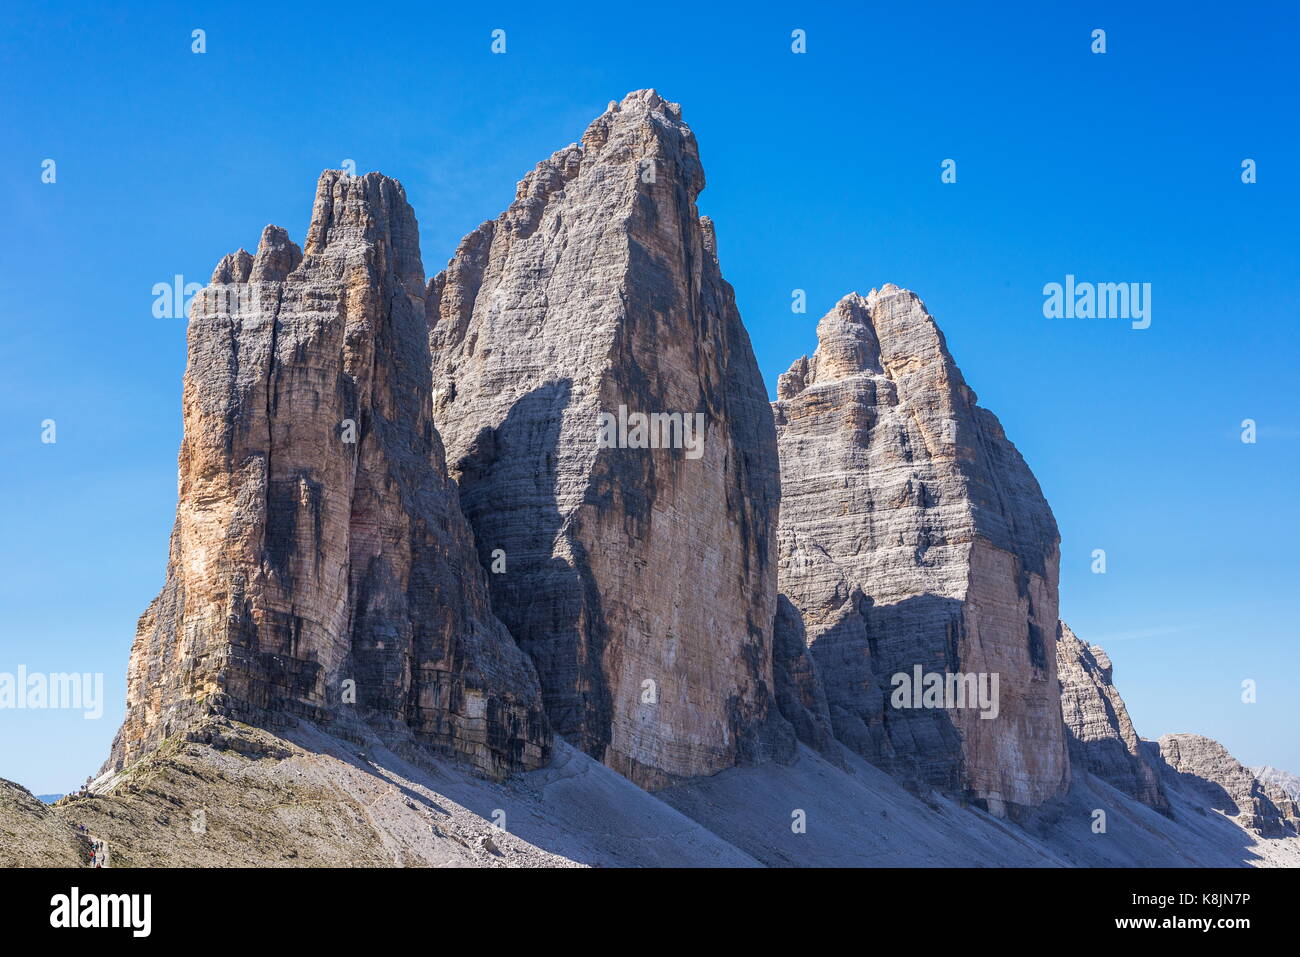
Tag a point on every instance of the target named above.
point(598, 292)
point(648, 130)
point(846, 342)
point(913, 535)
point(277, 256)
point(887, 333)
point(367, 212)
point(1288, 782)
point(320, 564)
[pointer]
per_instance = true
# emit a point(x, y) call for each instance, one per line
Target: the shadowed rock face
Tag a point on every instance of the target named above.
point(319, 547)
point(1101, 736)
point(598, 288)
point(1204, 766)
point(913, 534)
point(800, 690)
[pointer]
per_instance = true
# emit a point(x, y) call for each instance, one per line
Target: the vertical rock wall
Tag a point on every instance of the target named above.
point(320, 559)
point(912, 534)
point(641, 580)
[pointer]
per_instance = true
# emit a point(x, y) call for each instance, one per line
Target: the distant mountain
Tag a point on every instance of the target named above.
point(48, 798)
point(1223, 784)
point(1288, 782)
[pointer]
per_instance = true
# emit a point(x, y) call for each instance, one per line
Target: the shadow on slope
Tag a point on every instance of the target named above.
point(865, 818)
point(1137, 836)
point(233, 795)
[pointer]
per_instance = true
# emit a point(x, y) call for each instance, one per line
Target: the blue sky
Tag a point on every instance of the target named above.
point(824, 175)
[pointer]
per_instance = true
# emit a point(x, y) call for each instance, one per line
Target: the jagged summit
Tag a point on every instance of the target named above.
point(597, 290)
point(641, 139)
point(277, 256)
point(883, 333)
point(1206, 767)
point(913, 535)
point(1288, 782)
point(320, 564)
point(647, 101)
point(369, 209)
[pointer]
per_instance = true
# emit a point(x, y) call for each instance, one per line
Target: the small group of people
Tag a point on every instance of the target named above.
point(98, 852)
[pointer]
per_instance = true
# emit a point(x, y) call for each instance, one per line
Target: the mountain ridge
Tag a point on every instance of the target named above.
point(418, 612)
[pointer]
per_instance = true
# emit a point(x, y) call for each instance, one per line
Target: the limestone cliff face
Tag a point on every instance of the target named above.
point(641, 580)
point(320, 560)
point(1101, 736)
point(913, 534)
point(1205, 768)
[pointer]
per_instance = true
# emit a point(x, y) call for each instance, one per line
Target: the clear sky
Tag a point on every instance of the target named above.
point(824, 175)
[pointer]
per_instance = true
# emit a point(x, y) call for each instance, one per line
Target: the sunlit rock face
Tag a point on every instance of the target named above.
point(1204, 768)
point(641, 580)
point(913, 535)
point(320, 562)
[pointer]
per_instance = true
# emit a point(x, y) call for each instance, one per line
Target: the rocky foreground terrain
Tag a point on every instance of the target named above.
point(31, 835)
point(517, 566)
point(240, 796)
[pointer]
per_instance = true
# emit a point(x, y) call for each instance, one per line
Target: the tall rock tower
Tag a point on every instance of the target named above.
point(641, 579)
point(914, 541)
point(320, 560)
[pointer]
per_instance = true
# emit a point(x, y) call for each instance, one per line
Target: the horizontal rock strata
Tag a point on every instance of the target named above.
point(1101, 736)
point(913, 536)
point(1204, 766)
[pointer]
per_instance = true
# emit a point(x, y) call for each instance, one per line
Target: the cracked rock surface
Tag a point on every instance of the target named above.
point(320, 560)
point(641, 580)
point(913, 534)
